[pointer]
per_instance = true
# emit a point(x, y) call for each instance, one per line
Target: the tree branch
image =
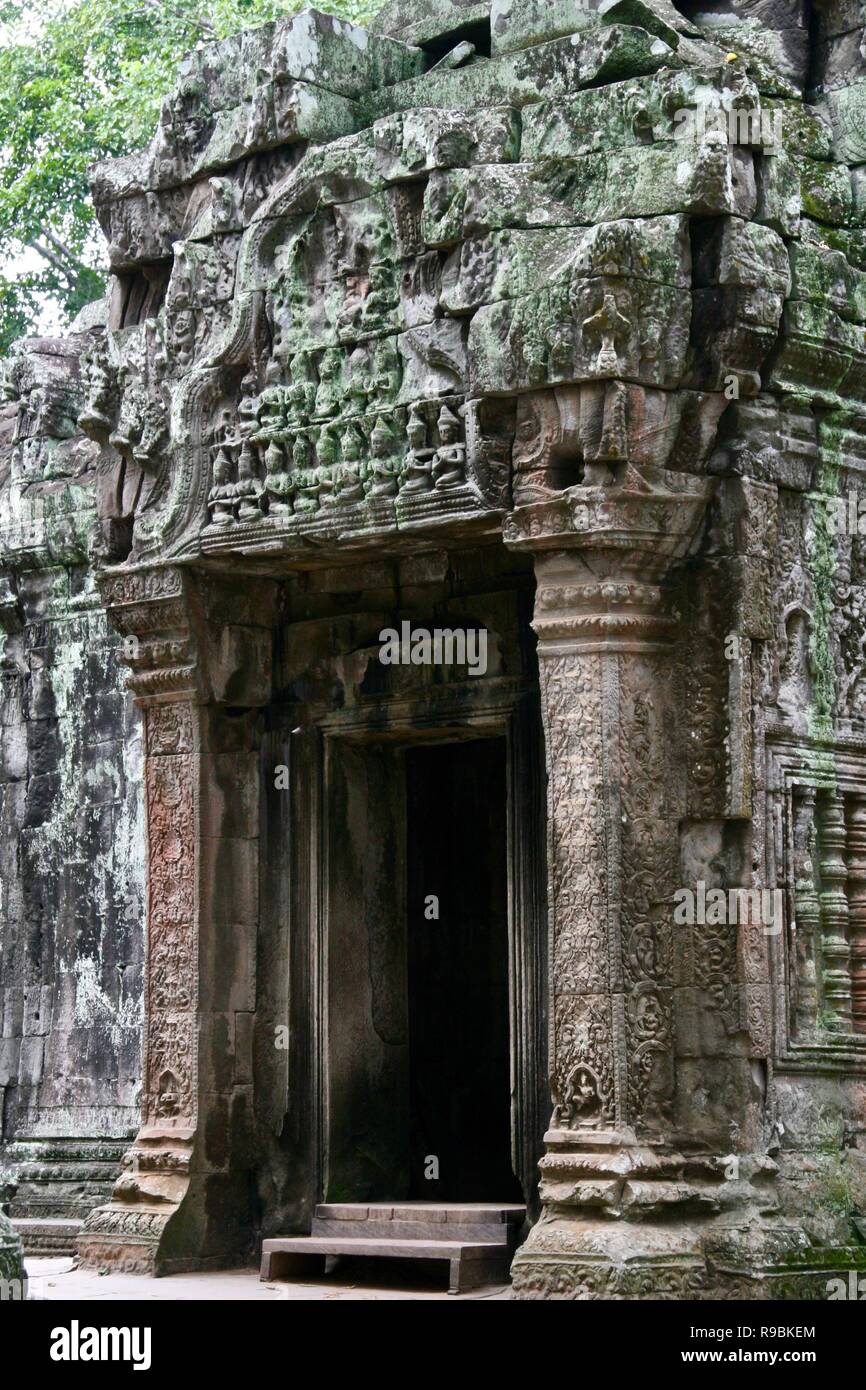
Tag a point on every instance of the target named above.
point(63, 250)
point(198, 21)
point(68, 274)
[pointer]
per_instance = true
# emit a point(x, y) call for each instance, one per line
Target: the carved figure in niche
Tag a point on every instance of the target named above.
point(610, 327)
point(376, 236)
point(328, 391)
point(221, 500)
point(327, 456)
point(153, 430)
point(347, 318)
point(613, 442)
point(478, 263)
point(189, 115)
point(261, 124)
point(248, 488)
point(451, 149)
point(128, 430)
point(272, 405)
point(248, 406)
point(651, 341)
point(379, 299)
point(581, 1103)
point(180, 290)
point(279, 485)
point(416, 470)
point(649, 1019)
point(711, 168)
point(534, 355)
point(612, 249)
point(538, 431)
point(450, 458)
point(183, 337)
point(168, 1096)
point(30, 399)
point(560, 318)
point(100, 384)
point(324, 472)
point(385, 375)
point(352, 474)
point(302, 392)
point(310, 482)
point(384, 467)
point(210, 280)
point(796, 668)
point(224, 204)
point(358, 381)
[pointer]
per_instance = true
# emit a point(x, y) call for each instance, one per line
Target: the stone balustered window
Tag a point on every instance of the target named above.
point(826, 933)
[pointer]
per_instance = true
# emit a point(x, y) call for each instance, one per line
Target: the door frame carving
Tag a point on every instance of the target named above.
point(501, 708)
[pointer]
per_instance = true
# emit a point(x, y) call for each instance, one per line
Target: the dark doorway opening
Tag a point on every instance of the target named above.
point(458, 988)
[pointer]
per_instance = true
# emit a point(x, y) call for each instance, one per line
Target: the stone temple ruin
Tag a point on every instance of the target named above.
point(542, 319)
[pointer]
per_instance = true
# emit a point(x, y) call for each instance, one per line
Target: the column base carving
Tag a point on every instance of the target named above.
point(129, 1234)
point(585, 1258)
point(627, 1220)
point(589, 1258)
point(768, 1262)
point(166, 1218)
point(123, 1240)
point(597, 1237)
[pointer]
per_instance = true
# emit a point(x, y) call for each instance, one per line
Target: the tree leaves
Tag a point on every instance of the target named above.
point(81, 80)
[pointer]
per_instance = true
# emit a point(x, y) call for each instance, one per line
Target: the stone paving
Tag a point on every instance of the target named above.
point(60, 1280)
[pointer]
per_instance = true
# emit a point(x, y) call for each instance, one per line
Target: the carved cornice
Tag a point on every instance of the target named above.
point(603, 557)
point(150, 609)
point(656, 514)
point(191, 636)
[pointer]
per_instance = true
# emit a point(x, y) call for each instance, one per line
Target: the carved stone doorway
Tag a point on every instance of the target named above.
point(457, 949)
point(431, 968)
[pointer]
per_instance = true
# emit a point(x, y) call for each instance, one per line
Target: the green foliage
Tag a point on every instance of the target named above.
point(81, 80)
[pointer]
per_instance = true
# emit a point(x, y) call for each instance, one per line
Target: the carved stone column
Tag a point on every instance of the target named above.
point(616, 1191)
point(807, 915)
point(834, 913)
point(195, 647)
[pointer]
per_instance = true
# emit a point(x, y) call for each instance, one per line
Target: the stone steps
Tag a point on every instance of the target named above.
point(48, 1235)
point(477, 1239)
point(55, 1184)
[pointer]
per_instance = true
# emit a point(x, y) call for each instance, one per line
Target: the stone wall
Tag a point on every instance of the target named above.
point(71, 857)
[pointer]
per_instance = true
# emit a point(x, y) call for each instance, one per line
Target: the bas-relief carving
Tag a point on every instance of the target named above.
point(342, 300)
point(580, 964)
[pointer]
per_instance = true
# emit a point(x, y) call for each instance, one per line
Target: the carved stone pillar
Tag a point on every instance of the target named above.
point(807, 915)
point(616, 1190)
point(834, 913)
point(195, 647)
